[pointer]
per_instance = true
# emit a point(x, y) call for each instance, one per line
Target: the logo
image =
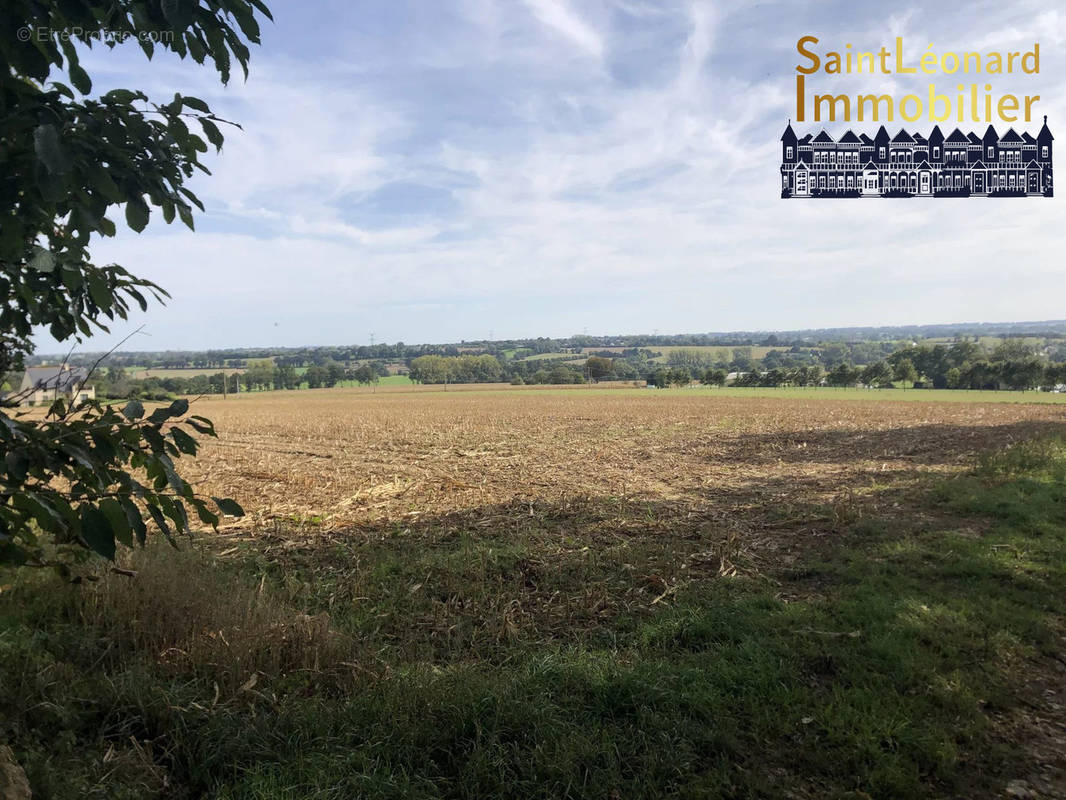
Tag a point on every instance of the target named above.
point(916, 163)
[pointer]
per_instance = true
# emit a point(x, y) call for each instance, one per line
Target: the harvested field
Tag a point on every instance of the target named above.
point(355, 460)
point(552, 593)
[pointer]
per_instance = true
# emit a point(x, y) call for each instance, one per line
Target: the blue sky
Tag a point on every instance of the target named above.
point(442, 171)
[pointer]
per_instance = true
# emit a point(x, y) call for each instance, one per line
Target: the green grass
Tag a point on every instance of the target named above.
point(555, 357)
point(812, 393)
point(913, 395)
point(470, 662)
point(396, 380)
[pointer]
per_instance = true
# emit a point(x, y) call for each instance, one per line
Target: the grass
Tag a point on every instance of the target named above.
point(396, 380)
point(913, 395)
point(696, 390)
point(889, 660)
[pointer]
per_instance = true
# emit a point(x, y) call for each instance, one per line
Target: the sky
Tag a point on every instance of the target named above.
point(430, 172)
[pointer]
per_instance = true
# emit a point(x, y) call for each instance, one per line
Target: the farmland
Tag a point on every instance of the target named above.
point(351, 457)
point(570, 592)
point(140, 373)
point(711, 352)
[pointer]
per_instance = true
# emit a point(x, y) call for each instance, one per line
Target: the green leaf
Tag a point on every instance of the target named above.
point(227, 506)
point(46, 146)
point(196, 48)
point(160, 520)
point(185, 443)
point(202, 425)
point(263, 9)
point(213, 134)
point(186, 216)
point(155, 439)
point(133, 515)
point(175, 409)
point(196, 104)
point(120, 523)
point(72, 278)
point(80, 78)
point(43, 260)
point(99, 292)
point(206, 516)
point(133, 410)
point(49, 519)
point(123, 96)
point(136, 213)
point(179, 13)
point(17, 464)
point(97, 532)
point(103, 183)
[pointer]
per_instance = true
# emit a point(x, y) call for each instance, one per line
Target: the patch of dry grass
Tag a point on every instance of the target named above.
point(190, 618)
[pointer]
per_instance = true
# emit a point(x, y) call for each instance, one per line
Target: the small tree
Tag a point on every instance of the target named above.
point(680, 376)
point(876, 374)
point(598, 367)
point(905, 372)
point(714, 377)
point(87, 476)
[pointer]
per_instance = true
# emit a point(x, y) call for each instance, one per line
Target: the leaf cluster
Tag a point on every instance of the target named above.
point(91, 476)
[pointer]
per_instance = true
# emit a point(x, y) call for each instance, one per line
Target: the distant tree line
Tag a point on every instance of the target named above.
point(1011, 363)
point(117, 383)
point(829, 346)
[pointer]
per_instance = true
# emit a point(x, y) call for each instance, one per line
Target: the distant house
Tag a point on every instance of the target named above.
point(43, 385)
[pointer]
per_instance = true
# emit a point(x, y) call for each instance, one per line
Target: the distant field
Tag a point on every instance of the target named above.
point(553, 357)
point(401, 384)
point(716, 352)
point(912, 395)
point(140, 373)
point(989, 342)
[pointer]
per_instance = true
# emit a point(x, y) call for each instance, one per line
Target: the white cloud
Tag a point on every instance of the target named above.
point(631, 187)
point(558, 15)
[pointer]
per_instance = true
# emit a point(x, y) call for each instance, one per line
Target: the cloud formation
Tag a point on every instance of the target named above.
point(432, 172)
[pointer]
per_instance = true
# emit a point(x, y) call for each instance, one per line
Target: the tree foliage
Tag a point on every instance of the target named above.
point(86, 475)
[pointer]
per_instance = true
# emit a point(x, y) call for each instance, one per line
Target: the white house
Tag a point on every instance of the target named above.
point(43, 385)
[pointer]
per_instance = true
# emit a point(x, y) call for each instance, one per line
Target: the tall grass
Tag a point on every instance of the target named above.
point(891, 662)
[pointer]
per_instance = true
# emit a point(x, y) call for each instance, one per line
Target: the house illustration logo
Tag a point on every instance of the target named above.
point(912, 165)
